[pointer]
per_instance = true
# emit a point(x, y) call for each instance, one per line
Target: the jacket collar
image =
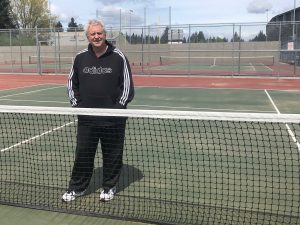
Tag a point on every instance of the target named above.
point(110, 47)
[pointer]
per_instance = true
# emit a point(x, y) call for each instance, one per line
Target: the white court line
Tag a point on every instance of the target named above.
point(152, 106)
point(31, 86)
point(197, 108)
point(291, 133)
point(24, 100)
point(29, 92)
point(253, 67)
point(36, 137)
point(267, 67)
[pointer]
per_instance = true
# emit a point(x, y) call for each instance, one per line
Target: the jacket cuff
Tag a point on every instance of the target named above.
point(119, 106)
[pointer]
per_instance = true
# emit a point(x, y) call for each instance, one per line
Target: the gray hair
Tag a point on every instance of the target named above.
point(92, 23)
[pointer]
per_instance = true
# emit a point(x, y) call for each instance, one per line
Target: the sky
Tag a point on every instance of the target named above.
point(165, 12)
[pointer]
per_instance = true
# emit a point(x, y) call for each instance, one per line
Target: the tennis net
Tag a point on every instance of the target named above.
point(179, 167)
point(33, 59)
point(219, 60)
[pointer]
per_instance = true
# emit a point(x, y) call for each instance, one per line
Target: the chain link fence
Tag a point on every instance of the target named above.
point(248, 49)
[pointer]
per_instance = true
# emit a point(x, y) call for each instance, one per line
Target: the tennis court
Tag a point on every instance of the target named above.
point(241, 66)
point(173, 93)
point(242, 164)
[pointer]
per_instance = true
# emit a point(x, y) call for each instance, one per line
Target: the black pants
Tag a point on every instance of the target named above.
point(111, 134)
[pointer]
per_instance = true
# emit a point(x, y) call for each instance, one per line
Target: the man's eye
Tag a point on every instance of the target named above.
point(98, 33)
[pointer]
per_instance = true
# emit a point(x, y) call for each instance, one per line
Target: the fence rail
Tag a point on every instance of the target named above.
point(250, 49)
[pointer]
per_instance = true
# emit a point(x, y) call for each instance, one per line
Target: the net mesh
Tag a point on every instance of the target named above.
point(179, 167)
point(50, 60)
point(219, 60)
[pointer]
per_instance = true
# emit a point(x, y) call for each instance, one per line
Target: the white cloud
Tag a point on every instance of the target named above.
point(110, 14)
point(55, 11)
point(158, 12)
point(119, 2)
point(259, 6)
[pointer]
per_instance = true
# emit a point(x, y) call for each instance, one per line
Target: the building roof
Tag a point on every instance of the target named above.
point(290, 12)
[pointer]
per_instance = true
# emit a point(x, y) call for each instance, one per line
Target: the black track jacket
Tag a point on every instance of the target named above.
point(104, 82)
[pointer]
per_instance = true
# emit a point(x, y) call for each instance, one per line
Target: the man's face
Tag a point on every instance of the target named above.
point(96, 36)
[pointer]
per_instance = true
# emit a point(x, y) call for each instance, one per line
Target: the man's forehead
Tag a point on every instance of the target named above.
point(96, 27)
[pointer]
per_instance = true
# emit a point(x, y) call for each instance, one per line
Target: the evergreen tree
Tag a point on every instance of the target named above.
point(6, 19)
point(260, 37)
point(201, 37)
point(164, 37)
point(197, 37)
point(236, 38)
point(193, 38)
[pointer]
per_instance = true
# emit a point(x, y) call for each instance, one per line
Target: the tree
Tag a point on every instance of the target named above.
point(236, 38)
point(197, 37)
point(6, 18)
point(164, 37)
point(31, 13)
point(193, 38)
point(260, 37)
point(201, 37)
point(217, 39)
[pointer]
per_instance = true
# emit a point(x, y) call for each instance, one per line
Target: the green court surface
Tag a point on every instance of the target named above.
point(10, 215)
point(259, 67)
point(185, 66)
point(186, 99)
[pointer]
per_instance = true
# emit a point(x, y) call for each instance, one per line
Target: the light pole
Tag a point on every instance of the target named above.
point(49, 14)
point(294, 18)
point(130, 12)
point(294, 38)
point(52, 39)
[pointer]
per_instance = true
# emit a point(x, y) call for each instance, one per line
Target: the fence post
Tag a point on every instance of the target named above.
point(189, 50)
point(239, 50)
point(233, 32)
point(11, 50)
point(38, 52)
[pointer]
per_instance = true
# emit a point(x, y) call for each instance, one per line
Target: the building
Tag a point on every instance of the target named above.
point(175, 36)
point(283, 28)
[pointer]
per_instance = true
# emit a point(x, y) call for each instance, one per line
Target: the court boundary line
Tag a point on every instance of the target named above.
point(31, 86)
point(29, 92)
point(210, 109)
point(151, 106)
point(291, 133)
point(269, 68)
point(214, 88)
point(36, 136)
point(23, 100)
point(252, 66)
point(2, 98)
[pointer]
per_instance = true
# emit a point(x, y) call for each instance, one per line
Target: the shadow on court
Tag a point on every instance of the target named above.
point(128, 176)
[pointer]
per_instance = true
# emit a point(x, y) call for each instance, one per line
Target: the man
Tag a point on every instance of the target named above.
point(100, 78)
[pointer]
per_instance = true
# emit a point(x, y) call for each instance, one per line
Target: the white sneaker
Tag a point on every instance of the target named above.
point(108, 195)
point(71, 195)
